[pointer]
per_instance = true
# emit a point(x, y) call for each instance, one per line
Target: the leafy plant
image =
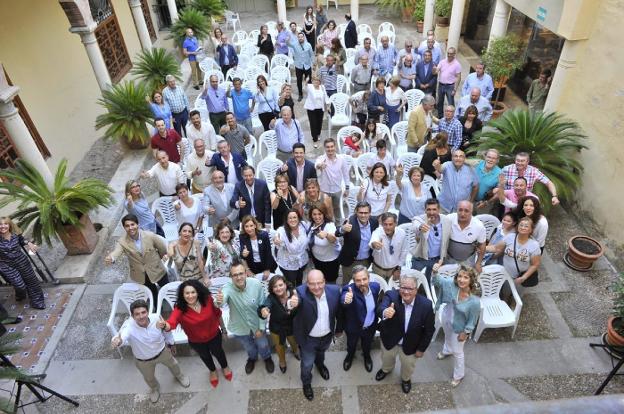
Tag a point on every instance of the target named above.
point(210, 8)
point(419, 11)
point(503, 56)
point(443, 8)
point(8, 347)
point(152, 65)
point(551, 141)
point(193, 18)
point(127, 114)
point(48, 210)
point(618, 301)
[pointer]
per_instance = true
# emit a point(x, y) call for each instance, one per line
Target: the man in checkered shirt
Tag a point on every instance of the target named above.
point(521, 168)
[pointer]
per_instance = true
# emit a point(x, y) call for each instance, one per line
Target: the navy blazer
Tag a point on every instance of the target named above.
point(233, 57)
point(308, 171)
point(262, 200)
point(419, 330)
point(238, 161)
point(352, 239)
point(430, 78)
point(355, 312)
point(350, 35)
point(307, 312)
point(264, 247)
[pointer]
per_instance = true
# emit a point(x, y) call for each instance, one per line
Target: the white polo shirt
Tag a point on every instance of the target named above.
point(462, 243)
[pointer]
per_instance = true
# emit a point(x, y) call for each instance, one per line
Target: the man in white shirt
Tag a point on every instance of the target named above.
point(150, 345)
point(468, 237)
point(168, 174)
point(195, 166)
point(390, 247)
point(201, 129)
point(288, 131)
point(333, 171)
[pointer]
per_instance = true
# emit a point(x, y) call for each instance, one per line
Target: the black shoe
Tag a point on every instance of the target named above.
point(380, 375)
point(346, 365)
point(406, 386)
point(269, 365)
point(300, 98)
point(308, 392)
point(368, 363)
point(297, 357)
point(196, 87)
point(283, 369)
point(249, 366)
point(322, 369)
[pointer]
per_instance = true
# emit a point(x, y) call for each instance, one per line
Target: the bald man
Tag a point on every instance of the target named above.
point(484, 109)
point(318, 318)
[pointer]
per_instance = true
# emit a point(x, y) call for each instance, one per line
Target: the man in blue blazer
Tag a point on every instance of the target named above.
point(252, 196)
point(426, 75)
point(406, 328)
point(228, 162)
point(299, 169)
point(359, 303)
point(318, 318)
point(357, 231)
point(227, 55)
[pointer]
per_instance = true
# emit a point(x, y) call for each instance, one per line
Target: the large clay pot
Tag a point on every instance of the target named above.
point(582, 252)
point(613, 337)
point(406, 14)
point(135, 145)
point(498, 109)
point(79, 239)
point(442, 21)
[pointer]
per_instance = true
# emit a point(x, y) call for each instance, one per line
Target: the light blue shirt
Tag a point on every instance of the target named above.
point(487, 180)
point(216, 100)
point(370, 309)
point(484, 108)
point(267, 101)
point(411, 205)
point(484, 83)
point(407, 71)
point(240, 102)
point(365, 236)
point(385, 60)
point(436, 53)
point(281, 44)
point(456, 185)
point(465, 313)
point(302, 55)
point(288, 135)
point(140, 208)
point(434, 242)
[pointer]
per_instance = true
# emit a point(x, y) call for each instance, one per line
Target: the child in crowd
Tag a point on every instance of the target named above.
point(360, 107)
point(352, 145)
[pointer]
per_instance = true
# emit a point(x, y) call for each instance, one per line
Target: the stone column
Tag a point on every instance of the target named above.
point(173, 10)
point(139, 21)
point(565, 66)
point(500, 20)
point(281, 11)
point(87, 36)
point(355, 11)
point(457, 16)
point(17, 129)
point(429, 16)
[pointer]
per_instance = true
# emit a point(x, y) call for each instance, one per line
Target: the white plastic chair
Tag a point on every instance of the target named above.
point(342, 84)
point(281, 61)
point(250, 49)
point(490, 222)
point(208, 64)
point(280, 74)
point(350, 161)
point(253, 35)
point(169, 293)
point(495, 313)
point(409, 160)
point(362, 163)
point(126, 294)
point(251, 150)
point(232, 19)
point(252, 72)
point(342, 111)
point(268, 169)
point(399, 138)
point(384, 131)
point(251, 85)
point(413, 97)
point(386, 27)
point(239, 38)
point(236, 72)
point(429, 182)
point(408, 228)
point(421, 280)
point(344, 132)
point(351, 202)
point(364, 28)
point(383, 285)
point(268, 140)
point(327, 4)
point(200, 105)
point(163, 206)
point(217, 73)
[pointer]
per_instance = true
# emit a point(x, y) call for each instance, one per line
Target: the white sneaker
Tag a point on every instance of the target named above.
point(455, 383)
point(184, 380)
point(154, 395)
point(441, 355)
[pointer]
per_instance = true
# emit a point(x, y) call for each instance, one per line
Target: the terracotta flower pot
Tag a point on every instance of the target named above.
point(406, 14)
point(613, 337)
point(442, 21)
point(134, 144)
point(582, 252)
point(498, 110)
point(79, 239)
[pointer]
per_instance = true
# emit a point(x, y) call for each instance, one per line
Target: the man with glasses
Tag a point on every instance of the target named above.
point(449, 77)
point(406, 328)
point(409, 51)
point(390, 247)
point(357, 231)
point(433, 231)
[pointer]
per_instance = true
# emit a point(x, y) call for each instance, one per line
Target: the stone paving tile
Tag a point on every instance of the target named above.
point(326, 400)
point(390, 398)
point(551, 387)
point(116, 273)
point(117, 403)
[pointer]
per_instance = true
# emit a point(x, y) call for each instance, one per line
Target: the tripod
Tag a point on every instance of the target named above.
point(32, 383)
point(614, 353)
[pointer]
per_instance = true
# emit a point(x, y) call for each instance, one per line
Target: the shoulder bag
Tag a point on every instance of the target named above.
point(533, 280)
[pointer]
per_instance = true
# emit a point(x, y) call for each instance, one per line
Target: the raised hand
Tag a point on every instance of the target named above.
point(389, 312)
point(377, 245)
point(116, 341)
point(245, 252)
point(161, 324)
point(348, 296)
point(241, 202)
point(265, 313)
point(219, 297)
point(294, 300)
point(399, 169)
point(347, 227)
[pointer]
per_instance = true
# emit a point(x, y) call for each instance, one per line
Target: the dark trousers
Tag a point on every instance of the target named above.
point(418, 264)
point(295, 277)
point(329, 269)
point(361, 118)
point(313, 353)
point(207, 350)
point(316, 123)
point(329, 94)
point(445, 90)
point(266, 118)
point(154, 287)
point(179, 121)
point(159, 230)
point(301, 74)
point(217, 120)
point(20, 274)
point(225, 68)
point(366, 335)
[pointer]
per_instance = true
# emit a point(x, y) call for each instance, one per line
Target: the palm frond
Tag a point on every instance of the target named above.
point(210, 8)
point(152, 65)
point(193, 18)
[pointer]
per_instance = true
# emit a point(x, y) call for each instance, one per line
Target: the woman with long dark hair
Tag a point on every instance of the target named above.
point(323, 243)
point(255, 247)
point(309, 26)
point(377, 101)
point(470, 125)
point(266, 98)
point(530, 207)
point(376, 190)
point(186, 255)
point(283, 198)
point(291, 242)
point(436, 149)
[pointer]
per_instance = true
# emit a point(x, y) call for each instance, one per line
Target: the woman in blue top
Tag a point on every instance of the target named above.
point(459, 316)
point(160, 108)
point(266, 99)
point(137, 204)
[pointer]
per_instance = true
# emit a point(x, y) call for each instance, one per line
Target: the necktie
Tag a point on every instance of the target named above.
point(251, 196)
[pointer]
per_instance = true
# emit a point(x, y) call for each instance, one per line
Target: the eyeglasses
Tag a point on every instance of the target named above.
point(435, 229)
point(407, 289)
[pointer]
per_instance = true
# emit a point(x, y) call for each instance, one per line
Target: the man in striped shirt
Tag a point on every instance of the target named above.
point(328, 75)
point(452, 127)
point(178, 102)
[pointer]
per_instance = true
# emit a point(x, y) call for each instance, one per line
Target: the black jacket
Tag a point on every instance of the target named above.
point(350, 36)
point(267, 262)
point(308, 171)
point(281, 320)
point(351, 244)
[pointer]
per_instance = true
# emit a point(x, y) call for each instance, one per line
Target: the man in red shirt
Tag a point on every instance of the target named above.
point(167, 140)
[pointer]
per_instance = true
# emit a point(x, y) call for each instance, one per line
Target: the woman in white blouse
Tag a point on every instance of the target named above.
point(413, 193)
point(395, 99)
point(291, 242)
point(316, 102)
point(376, 190)
point(188, 208)
point(324, 247)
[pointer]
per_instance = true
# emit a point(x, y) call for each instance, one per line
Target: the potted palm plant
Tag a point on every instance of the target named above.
point(443, 11)
point(61, 211)
point(615, 323)
point(503, 56)
point(419, 15)
point(152, 65)
point(552, 142)
point(210, 8)
point(193, 18)
point(127, 114)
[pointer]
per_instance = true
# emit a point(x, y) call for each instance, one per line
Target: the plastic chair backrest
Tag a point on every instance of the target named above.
point(341, 104)
point(164, 207)
point(364, 28)
point(208, 64)
point(252, 72)
point(410, 233)
point(383, 285)
point(409, 160)
point(267, 169)
point(386, 27)
point(129, 292)
point(268, 139)
point(362, 164)
point(399, 133)
point(490, 223)
point(384, 130)
point(239, 37)
point(342, 84)
point(168, 293)
point(280, 60)
point(280, 74)
point(261, 62)
point(413, 97)
point(491, 279)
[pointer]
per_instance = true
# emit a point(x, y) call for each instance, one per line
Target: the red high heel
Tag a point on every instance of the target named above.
point(214, 381)
point(228, 376)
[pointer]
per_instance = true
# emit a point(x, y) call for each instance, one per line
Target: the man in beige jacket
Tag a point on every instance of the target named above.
point(145, 251)
point(420, 122)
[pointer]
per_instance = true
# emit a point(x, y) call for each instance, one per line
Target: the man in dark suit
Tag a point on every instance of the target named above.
point(426, 75)
point(359, 304)
point(357, 231)
point(319, 316)
point(228, 162)
point(406, 328)
point(350, 36)
point(227, 55)
point(252, 196)
point(298, 168)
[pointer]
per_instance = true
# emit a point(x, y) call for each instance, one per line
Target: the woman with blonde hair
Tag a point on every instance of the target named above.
point(15, 266)
point(255, 247)
point(136, 203)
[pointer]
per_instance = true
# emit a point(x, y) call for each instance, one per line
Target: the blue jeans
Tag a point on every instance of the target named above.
point(254, 345)
point(313, 353)
point(419, 263)
point(445, 90)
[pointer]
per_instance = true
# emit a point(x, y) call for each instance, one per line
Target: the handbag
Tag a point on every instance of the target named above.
point(533, 280)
